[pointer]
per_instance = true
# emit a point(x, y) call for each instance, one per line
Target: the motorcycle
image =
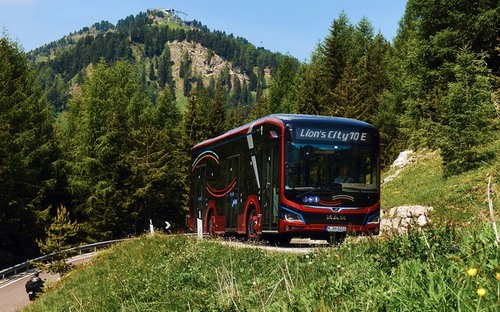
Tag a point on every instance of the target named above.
point(32, 295)
point(34, 286)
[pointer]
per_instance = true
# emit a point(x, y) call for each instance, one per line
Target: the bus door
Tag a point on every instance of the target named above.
point(199, 202)
point(270, 186)
point(232, 203)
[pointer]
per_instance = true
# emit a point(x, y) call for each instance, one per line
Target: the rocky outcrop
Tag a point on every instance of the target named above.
point(400, 219)
point(404, 159)
point(204, 63)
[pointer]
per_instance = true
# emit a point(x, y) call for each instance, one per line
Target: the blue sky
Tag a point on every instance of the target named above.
point(287, 26)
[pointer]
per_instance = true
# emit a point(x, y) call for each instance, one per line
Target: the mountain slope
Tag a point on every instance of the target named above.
point(165, 49)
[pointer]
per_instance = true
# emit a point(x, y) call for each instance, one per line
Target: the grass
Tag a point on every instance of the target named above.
point(453, 265)
point(177, 273)
point(460, 199)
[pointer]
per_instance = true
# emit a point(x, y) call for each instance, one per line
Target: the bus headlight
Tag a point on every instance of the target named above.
point(374, 219)
point(292, 216)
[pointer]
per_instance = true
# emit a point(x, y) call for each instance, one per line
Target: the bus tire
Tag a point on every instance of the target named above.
point(211, 225)
point(252, 219)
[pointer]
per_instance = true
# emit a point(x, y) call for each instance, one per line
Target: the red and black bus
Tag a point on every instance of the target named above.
point(285, 176)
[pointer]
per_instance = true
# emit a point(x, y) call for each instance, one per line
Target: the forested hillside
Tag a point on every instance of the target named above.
point(166, 51)
point(98, 125)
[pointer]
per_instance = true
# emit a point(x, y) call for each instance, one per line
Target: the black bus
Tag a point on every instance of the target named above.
point(285, 176)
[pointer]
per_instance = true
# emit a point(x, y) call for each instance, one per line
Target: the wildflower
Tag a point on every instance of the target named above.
point(481, 292)
point(497, 276)
point(472, 272)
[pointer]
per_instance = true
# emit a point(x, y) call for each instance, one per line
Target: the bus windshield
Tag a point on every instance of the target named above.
point(332, 168)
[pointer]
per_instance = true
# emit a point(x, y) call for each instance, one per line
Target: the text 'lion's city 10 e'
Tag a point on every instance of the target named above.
point(285, 176)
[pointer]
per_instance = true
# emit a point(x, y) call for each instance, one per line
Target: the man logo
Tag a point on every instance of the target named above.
point(335, 218)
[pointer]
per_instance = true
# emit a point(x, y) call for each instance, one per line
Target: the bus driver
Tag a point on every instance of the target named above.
point(343, 177)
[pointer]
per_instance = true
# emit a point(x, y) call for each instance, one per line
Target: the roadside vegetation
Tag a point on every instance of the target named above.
point(451, 265)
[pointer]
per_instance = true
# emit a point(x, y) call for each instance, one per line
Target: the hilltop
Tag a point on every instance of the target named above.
point(166, 49)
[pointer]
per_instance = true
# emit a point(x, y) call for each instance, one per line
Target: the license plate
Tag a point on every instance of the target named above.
point(332, 228)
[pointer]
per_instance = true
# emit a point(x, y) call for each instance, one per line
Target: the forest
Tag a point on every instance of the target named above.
point(96, 128)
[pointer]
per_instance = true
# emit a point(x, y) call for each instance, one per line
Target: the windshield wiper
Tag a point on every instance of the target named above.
point(359, 189)
point(309, 189)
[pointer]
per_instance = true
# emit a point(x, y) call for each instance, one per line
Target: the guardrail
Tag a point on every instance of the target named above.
point(25, 266)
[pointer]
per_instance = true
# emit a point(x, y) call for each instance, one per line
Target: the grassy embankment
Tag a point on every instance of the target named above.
point(452, 266)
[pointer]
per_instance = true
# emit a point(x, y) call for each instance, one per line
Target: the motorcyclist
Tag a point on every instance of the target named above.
point(34, 285)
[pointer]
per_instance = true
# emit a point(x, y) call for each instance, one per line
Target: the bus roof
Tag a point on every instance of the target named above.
point(288, 119)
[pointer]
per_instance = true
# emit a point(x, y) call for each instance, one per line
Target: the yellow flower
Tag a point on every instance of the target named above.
point(498, 276)
point(481, 292)
point(472, 272)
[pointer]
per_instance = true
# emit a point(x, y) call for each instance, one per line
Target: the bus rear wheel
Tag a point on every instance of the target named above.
point(211, 225)
point(252, 221)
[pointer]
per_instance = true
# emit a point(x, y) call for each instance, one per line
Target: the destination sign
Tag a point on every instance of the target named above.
point(333, 135)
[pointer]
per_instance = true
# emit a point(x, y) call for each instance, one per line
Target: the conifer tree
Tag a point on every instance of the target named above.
point(26, 155)
point(282, 92)
point(311, 88)
point(156, 164)
point(337, 49)
point(217, 115)
point(103, 142)
point(466, 117)
point(58, 239)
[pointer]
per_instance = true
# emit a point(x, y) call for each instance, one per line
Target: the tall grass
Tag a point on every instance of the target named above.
point(416, 272)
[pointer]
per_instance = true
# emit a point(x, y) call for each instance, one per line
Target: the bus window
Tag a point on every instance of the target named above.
point(317, 165)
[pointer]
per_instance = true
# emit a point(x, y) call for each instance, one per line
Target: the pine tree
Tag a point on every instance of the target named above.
point(282, 91)
point(156, 164)
point(311, 88)
point(26, 156)
point(58, 239)
point(466, 118)
point(104, 121)
point(217, 115)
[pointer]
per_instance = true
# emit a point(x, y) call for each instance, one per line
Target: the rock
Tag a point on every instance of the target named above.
point(399, 219)
point(403, 159)
point(422, 220)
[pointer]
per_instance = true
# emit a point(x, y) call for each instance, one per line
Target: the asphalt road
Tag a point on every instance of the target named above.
point(13, 295)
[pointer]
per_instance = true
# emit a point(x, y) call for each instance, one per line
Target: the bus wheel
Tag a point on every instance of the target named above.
point(211, 225)
point(252, 226)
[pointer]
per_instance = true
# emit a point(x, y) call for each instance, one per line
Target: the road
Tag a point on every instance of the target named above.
point(13, 295)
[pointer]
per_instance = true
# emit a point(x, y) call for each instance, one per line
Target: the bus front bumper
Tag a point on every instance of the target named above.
point(350, 229)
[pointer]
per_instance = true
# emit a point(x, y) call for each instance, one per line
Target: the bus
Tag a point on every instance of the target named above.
point(288, 175)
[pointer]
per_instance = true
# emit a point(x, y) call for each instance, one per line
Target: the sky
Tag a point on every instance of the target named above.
point(288, 26)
